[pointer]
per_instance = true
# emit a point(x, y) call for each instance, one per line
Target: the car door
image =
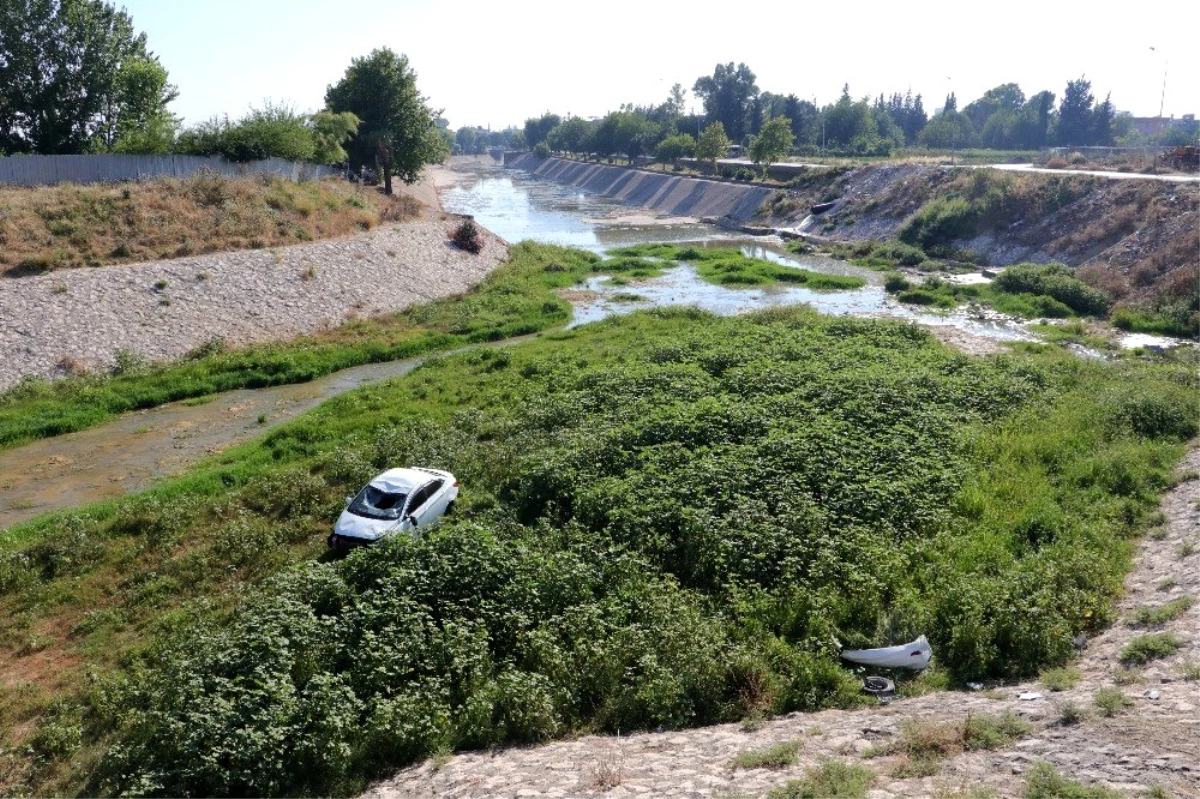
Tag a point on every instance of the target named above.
point(414, 512)
point(424, 503)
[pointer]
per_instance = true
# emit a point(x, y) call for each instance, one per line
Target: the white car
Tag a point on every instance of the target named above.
point(397, 501)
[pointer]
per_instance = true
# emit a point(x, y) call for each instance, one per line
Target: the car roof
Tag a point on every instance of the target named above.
point(401, 481)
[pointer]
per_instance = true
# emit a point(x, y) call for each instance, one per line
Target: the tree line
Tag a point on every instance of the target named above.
point(76, 77)
point(1004, 118)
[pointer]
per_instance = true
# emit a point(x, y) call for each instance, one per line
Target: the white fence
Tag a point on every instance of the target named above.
point(45, 170)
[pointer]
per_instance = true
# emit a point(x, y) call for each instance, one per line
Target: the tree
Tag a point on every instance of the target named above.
point(728, 95)
point(1102, 122)
point(538, 128)
point(571, 136)
point(69, 70)
point(713, 144)
point(330, 133)
point(634, 134)
point(773, 143)
point(1005, 98)
point(1075, 114)
point(672, 148)
point(398, 132)
point(850, 125)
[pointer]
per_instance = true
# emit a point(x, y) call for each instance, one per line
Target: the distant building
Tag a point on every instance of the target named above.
point(1150, 126)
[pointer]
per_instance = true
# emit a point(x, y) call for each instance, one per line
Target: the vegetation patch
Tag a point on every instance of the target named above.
point(58, 227)
point(729, 267)
point(1034, 290)
point(516, 299)
point(926, 743)
point(1110, 701)
point(1145, 648)
point(1063, 678)
point(833, 779)
point(781, 755)
point(1157, 615)
point(667, 518)
point(1043, 781)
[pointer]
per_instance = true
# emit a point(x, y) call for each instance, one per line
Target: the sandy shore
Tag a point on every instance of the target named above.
point(51, 325)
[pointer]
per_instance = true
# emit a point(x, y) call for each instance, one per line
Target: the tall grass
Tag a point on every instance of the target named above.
point(69, 225)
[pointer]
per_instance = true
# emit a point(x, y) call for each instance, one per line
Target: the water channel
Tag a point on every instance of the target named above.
point(137, 449)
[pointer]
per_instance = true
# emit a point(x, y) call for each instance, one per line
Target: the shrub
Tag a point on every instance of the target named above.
point(1071, 714)
point(1155, 615)
point(541, 150)
point(744, 173)
point(833, 779)
point(1145, 648)
point(778, 756)
point(1053, 280)
point(1060, 679)
point(917, 297)
point(1043, 781)
point(896, 282)
point(467, 236)
point(938, 223)
point(1110, 701)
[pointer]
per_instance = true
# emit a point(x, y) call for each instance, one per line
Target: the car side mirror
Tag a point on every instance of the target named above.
point(348, 500)
point(411, 520)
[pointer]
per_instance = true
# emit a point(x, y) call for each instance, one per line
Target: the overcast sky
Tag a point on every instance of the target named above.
point(497, 63)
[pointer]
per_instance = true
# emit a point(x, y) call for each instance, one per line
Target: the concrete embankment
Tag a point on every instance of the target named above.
point(670, 194)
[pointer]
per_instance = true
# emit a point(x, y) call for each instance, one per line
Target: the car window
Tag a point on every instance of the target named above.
point(375, 503)
point(423, 494)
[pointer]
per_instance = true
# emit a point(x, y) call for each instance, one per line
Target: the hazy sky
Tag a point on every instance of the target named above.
point(497, 63)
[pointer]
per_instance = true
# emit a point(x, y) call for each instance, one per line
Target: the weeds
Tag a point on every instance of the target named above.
point(1111, 701)
point(1060, 679)
point(1071, 714)
point(833, 779)
point(781, 755)
point(1043, 781)
point(1189, 670)
point(1158, 615)
point(163, 218)
point(1145, 648)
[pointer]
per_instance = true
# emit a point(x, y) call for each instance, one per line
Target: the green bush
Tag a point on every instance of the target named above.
point(1146, 648)
point(896, 282)
point(1044, 782)
point(938, 223)
point(1156, 615)
point(1063, 678)
point(833, 779)
point(1110, 701)
point(778, 756)
point(1056, 281)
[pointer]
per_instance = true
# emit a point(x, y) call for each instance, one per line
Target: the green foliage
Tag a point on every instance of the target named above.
point(1110, 701)
point(724, 266)
point(1183, 321)
point(74, 76)
point(728, 96)
point(781, 755)
point(1043, 781)
point(398, 132)
point(273, 131)
point(712, 144)
point(1062, 678)
point(773, 142)
point(1156, 615)
point(330, 132)
point(537, 129)
point(541, 150)
point(833, 779)
point(896, 282)
point(672, 148)
point(1146, 648)
point(1053, 280)
point(939, 222)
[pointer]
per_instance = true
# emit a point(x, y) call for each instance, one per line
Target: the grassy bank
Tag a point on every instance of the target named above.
point(667, 518)
point(58, 227)
point(516, 299)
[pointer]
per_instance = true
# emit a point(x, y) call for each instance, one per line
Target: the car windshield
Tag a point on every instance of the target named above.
point(375, 503)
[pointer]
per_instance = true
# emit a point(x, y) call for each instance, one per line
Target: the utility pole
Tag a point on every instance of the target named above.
point(1161, 100)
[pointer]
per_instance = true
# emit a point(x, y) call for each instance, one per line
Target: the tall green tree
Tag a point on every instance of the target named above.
point(398, 131)
point(538, 128)
point(69, 72)
point(712, 144)
point(138, 120)
point(1075, 114)
point(728, 96)
point(774, 141)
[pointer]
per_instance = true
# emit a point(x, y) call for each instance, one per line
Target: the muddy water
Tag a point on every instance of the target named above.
point(137, 449)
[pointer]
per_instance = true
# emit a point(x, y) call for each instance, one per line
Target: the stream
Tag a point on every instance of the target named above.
point(137, 449)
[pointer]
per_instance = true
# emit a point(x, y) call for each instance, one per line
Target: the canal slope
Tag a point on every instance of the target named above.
point(669, 194)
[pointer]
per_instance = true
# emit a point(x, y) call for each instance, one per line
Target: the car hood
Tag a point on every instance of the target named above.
point(354, 526)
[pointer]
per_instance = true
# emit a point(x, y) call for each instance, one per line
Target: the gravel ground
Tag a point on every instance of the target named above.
point(1156, 741)
point(77, 319)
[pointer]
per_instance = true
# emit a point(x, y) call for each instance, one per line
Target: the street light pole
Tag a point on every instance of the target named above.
point(1161, 101)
